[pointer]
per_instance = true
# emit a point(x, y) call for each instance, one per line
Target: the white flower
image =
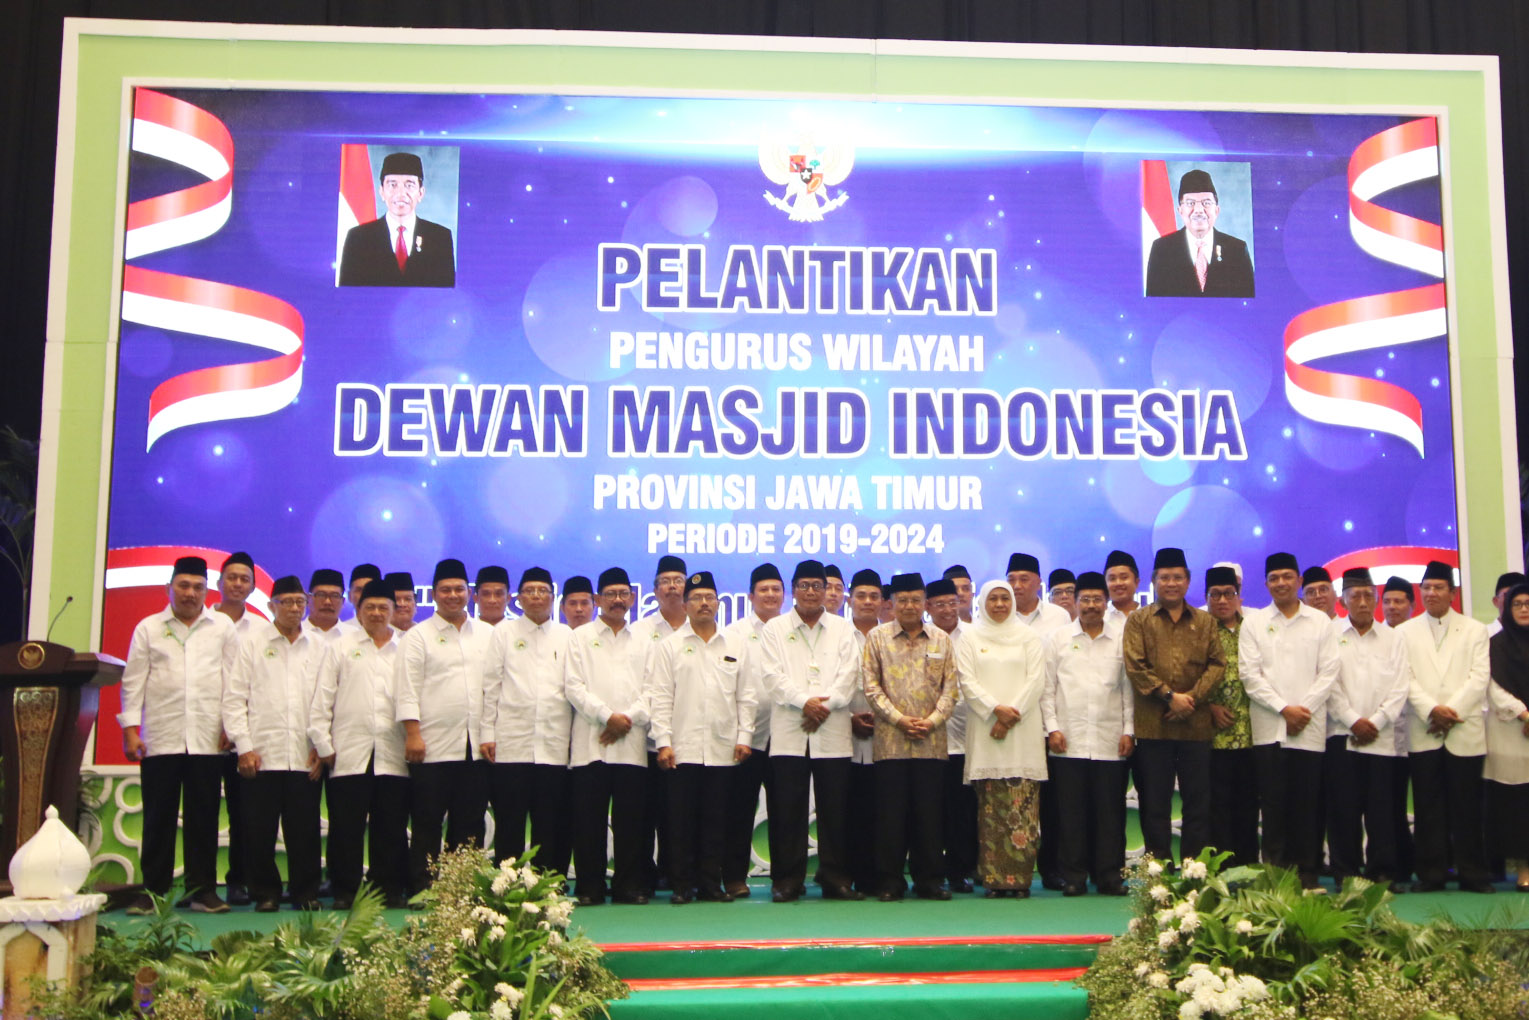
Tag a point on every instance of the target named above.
point(1207, 997)
point(496, 933)
point(1157, 979)
point(507, 866)
point(1154, 868)
point(1195, 869)
point(1253, 989)
point(1133, 924)
point(454, 987)
point(1244, 927)
point(1167, 938)
point(501, 1010)
point(460, 1014)
point(1189, 922)
point(1165, 917)
point(503, 989)
point(500, 884)
point(1160, 893)
point(555, 1010)
point(1142, 968)
point(554, 939)
point(1182, 908)
point(528, 878)
point(1190, 1010)
point(530, 908)
point(468, 935)
point(511, 995)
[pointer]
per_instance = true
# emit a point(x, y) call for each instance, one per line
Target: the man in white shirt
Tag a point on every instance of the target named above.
point(962, 579)
point(1448, 660)
point(1089, 712)
point(811, 668)
point(578, 601)
point(326, 594)
point(1024, 576)
point(1287, 658)
point(767, 592)
point(491, 594)
point(236, 581)
point(352, 725)
point(404, 605)
point(608, 754)
point(172, 724)
point(1123, 578)
point(669, 589)
point(834, 594)
point(526, 726)
point(359, 576)
point(1368, 698)
point(1317, 591)
point(438, 696)
point(865, 615)
point(959, 835)
point(1062, 590)
point(702, 707)
point(265, 714)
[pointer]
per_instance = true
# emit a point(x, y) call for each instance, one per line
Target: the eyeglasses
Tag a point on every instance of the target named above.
point(1190, 204)
point(697, 597)
point(327, 596)
point(1521, 603)
point(810, 586)
point(296, 602)
point(616, 594)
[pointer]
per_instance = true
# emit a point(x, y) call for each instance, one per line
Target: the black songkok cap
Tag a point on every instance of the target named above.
point(1168, 557)
point(1315, 575)
point(448, 568)
point(944, 586)
point(370, 571)
point(886, 592)
point(400, 580)
point(670, 565)
point(1196, 182)
point(1023, 561)
point(865, 577)
point(1121, 558)
point(493, 575)
point(289, 585)
point(402, 163)
point(326, 576)
point(526, 577)
point(1220, 577)
point(238, 557)
point(832, 570)
point(578, 584)
point(956, 571)
point(700, 579)
point(613, 575)
point(193, 565)
point(1280, 561)
point(810, 570)
point(906, 582)
point(764, 572)
point(1508, 580)
point(1091, 580)
point(1061, 575)
point(377, 588)
point(1357, 577)
point(1401, 584)
point(1438, 570)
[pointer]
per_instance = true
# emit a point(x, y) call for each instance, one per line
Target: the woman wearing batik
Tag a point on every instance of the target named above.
point(1507, 764)
point(1001, 665)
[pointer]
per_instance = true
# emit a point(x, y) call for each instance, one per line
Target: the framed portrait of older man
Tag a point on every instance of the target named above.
point(1197, 222)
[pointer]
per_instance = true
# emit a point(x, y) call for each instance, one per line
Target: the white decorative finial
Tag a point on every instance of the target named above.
point(52, 865)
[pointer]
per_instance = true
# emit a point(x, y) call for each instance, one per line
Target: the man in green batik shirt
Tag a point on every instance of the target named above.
point(1234, 807)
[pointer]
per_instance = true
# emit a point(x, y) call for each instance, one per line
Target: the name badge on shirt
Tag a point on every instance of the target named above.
point(813, 671)
point(934, 655)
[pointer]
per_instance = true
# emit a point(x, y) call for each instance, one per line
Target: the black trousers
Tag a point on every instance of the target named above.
point(909, 817)
point(1091, 819)
point(697, 802)
point(449, 793)
point(371, 810)
point(1234, 804)
point(1288, 804)
point(1401, 814)
point(167, 779)
point(233, 796)
point(1159, 763)
point(960, 821)
point(1446, 794)
point(1361, 831)
point(860, 833)
point(745, 780)
point(520, 791)
point(618, 793)
point(288, 798)
point(1046, 861)
point(655, 825)
point(829, 777)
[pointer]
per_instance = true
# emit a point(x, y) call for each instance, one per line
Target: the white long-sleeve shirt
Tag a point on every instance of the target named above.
point(438, 680)
point(266, 698)
point(751, 630)
point(605, 677)
point(802, 663)
point(1372, 684)
point(650, 630)
point(1287, 661)
point(1087, 696)
point(699, 696)
point(525, 707)
point(172, 685)
point(352, 715)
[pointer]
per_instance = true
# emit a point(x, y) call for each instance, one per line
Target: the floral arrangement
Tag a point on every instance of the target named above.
point(491, 944)
point(1250, 942)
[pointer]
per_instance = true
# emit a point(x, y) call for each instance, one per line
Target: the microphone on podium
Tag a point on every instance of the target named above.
point(67, 599)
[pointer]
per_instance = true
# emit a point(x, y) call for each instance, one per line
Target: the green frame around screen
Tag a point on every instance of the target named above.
point(102, 60)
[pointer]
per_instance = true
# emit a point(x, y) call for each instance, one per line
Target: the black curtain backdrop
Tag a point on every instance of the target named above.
point(34, 34)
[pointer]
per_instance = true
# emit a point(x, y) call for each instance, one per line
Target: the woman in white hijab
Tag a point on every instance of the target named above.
point(1001, 667)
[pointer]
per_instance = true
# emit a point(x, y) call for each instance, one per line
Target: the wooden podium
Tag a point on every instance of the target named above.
point(48, 699)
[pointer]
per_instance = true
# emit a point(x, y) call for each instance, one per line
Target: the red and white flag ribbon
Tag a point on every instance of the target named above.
point(356, 203)
point(1400, 155)
point(1156, 208)
point(182, 133)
